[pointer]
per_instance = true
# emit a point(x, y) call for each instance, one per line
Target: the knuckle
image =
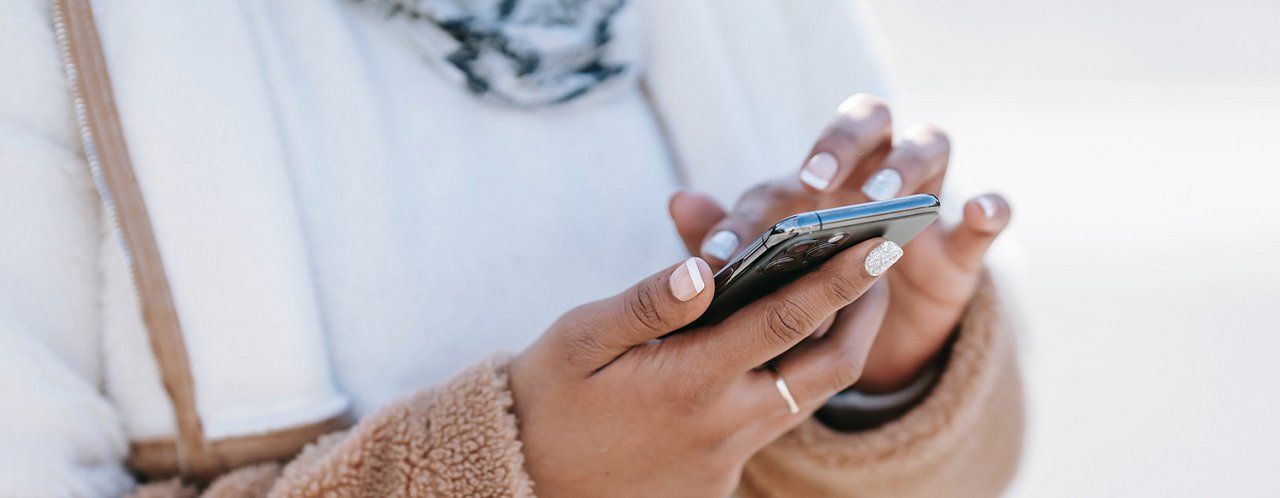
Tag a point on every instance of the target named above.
point(841, 380)
point(867, 114)
point(916, 156)
point(686, 397)
point(878, 109)
point(929, 131)
point(943, 138)
point(933, 145)
point(839, 137)
point(759, 190)
point(788, 322)
point(644, 309)
point(877, 112)
point(847, 372)
point(842, 288)
point(770, 193)
point(581, 345)
point(864, 103)
point(715, 434)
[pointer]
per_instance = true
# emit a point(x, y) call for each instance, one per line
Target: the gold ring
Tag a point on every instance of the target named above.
point(781, 384)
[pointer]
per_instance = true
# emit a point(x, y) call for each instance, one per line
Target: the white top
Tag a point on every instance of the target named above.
point(472, 227)
point(341, 224)
point(435, 228)
point(487, 223)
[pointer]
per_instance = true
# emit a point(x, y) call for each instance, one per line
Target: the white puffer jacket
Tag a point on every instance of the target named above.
point(305, 172)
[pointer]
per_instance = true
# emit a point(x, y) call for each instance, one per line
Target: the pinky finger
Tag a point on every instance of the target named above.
point(985, 217)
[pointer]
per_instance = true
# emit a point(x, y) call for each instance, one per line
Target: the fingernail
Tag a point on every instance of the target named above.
point(883, 185)
point(721, 245)
point(988, 206)
point(882, 257)
point(686, 281)
point(819, 171)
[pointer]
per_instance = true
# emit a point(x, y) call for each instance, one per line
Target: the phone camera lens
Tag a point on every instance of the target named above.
point(801, 247)
point(784, 263)
point(820, 251)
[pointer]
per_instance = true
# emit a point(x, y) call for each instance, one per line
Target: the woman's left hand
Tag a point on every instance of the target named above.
point(856, 161)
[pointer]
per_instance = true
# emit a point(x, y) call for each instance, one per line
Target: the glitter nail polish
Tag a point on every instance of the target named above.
point(885, 184)
point(882, 257)
point(721, 245)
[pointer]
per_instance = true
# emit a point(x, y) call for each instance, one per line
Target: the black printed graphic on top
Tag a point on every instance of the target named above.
point(523, 53)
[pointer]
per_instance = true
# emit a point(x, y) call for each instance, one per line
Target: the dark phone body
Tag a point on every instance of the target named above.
point(800, 243)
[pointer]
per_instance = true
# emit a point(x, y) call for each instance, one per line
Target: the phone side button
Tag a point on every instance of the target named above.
point(723, 277)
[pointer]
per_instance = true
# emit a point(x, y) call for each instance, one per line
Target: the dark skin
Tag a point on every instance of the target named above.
point(941, 268)
point(609, 407)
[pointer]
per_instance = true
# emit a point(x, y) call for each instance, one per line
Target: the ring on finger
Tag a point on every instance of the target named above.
point(785, 392)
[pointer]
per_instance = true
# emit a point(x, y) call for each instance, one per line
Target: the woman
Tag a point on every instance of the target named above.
point(357, 203)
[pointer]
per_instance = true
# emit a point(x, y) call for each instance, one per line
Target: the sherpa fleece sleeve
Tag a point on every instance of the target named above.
point(457, 439)
point(963, 439)
point(460, 439)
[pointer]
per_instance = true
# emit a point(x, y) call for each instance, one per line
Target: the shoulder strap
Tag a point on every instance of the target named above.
point(113, 175)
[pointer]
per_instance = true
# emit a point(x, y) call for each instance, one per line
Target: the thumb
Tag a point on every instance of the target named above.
point(599, 332)
point(694, 214)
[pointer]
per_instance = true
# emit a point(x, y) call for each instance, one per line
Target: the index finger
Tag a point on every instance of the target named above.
point(773, 324)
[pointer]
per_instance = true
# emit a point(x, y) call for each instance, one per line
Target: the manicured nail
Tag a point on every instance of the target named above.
point(882, 257)
point(883, 185)
point(819, 171)
point(988, 206)
point(686, 281)
point(721, 245)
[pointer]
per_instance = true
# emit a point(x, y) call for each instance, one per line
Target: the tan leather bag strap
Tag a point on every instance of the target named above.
point(108, 158)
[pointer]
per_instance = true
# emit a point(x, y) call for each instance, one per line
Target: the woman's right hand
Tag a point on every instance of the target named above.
point(606, 408)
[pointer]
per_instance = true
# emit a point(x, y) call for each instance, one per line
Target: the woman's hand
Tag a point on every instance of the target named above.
point(856, 161)
point(608, 407)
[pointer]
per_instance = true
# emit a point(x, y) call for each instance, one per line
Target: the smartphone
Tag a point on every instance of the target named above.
point(800, 243)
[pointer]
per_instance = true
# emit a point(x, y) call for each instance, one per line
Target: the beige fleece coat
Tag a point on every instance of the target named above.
point(462, 439)
point(74, 354)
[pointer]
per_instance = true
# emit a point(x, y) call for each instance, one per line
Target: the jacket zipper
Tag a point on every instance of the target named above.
point(106, 197)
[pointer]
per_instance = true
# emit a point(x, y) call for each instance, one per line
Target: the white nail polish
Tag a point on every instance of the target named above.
point(819, 171)
point(686, 281)
point(695, 275)
point(885, 184)
point(882, 257)
point(721, 245)
point(988, 206)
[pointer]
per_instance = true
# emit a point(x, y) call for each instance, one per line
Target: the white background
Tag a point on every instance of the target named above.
point(1138, 142)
